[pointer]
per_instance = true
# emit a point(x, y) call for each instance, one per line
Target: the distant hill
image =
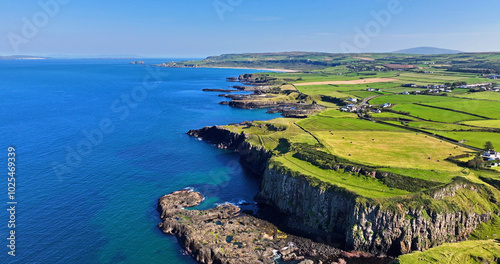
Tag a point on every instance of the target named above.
point(427, 50)
point(21, 57)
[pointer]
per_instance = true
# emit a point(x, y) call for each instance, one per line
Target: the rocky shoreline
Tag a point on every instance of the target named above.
point(226, 235)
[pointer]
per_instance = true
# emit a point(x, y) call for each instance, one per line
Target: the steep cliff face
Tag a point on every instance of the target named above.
point(319, 208)
point(252, 157)
point(372, 226)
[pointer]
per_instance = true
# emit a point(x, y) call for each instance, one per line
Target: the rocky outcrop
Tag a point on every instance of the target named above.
point(137, 62)
point(225, 235)
point(368, 225)
point(252, 157)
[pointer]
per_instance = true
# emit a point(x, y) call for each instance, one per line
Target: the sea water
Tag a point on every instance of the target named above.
point(97, 142)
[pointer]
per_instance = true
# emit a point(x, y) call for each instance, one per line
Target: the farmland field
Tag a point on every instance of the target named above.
point(317, 123)
point(391, 115)
point(379, 148)
point(405, 99)
point(434, 114)
point(336, 113)
point(438, 77)
point(425, 125)
point(493, 96)
point(484, 123)
point(475, 139)
point(354, 81)
point(489, 109)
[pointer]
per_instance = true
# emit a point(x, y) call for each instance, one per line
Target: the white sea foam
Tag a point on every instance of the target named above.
point(191, 189)
point(224, 203)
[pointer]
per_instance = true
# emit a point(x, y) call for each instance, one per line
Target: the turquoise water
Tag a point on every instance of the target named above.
point(95, 150)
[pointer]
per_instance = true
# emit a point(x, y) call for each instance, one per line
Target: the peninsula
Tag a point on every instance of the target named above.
point(387, 154)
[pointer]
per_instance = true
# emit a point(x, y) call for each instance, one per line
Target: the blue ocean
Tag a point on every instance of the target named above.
point(97, 142)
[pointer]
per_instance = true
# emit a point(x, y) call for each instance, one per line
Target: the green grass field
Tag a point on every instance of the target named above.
point(426, 125)
point(475, 139)
point(326, 88)
point(319, 123)
point(438, 77)
point(391, 115)
point(408, 99)
point(312, 77)
point(336, 113)
point(492, 96)
point(489, 109)
point(392, 149)
point(484, 123)
point(433, 114)
point(467, 252)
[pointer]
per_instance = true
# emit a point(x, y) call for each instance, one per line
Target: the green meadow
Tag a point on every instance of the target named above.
point(433, 114)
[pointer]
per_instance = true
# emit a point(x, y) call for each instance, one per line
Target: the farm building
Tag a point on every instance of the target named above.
point(386, 105)
point(491, 155)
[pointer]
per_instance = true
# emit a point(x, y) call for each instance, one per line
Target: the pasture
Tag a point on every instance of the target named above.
point(475, 139)
point(319, 123)
point(491, 96)
point(490, 109)
point(392, 149)
point(433, 114)
point(484, 123)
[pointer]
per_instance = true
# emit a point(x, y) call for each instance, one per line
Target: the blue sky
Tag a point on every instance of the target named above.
point(200, 28)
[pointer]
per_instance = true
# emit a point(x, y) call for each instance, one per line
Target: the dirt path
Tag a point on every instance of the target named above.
point(364, 58)
point(360, 81)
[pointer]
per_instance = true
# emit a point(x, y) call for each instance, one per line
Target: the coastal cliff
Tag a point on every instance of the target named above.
point(252, 157)
point(383, 226)
point(378, 227)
